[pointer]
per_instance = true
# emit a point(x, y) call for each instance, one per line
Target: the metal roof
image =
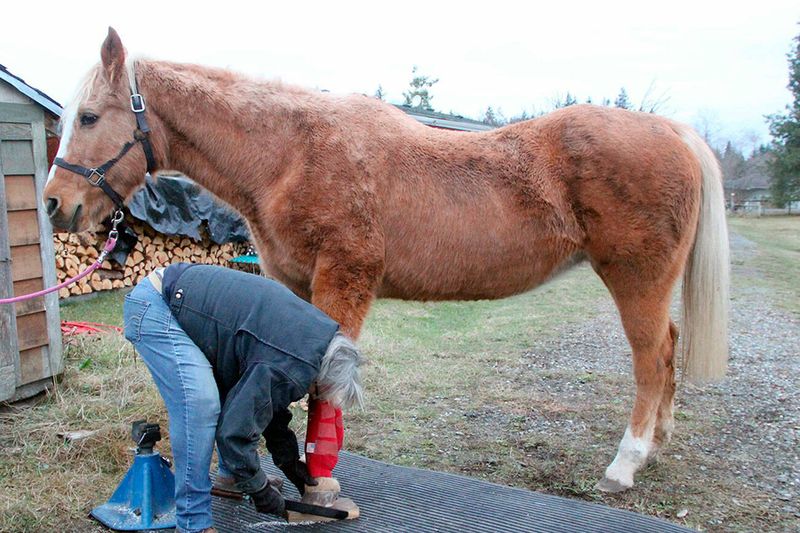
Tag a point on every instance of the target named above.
point(443, 120)
point(31, 92)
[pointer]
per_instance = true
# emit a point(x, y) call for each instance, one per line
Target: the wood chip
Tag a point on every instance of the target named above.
point(74, 436)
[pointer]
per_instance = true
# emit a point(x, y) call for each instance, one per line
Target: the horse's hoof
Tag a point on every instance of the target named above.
point(611, 485)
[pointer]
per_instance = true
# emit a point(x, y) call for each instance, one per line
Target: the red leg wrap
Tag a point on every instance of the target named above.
point(324, 438)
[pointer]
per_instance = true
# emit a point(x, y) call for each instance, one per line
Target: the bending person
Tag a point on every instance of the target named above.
point(229, 352)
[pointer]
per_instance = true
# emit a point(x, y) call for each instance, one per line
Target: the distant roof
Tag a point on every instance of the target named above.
point(443, 120)
point(31, 92)
point(755, 176)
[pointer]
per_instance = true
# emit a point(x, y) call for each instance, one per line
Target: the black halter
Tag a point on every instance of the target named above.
point(97, 176)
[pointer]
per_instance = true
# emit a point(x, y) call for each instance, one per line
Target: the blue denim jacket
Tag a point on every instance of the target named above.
point(265, 345)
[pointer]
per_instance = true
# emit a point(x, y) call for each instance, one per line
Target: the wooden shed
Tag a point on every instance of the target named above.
point(30, 332)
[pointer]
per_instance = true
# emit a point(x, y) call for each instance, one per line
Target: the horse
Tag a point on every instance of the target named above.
point(348, 199)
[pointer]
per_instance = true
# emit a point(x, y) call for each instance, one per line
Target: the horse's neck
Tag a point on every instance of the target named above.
point(226, 139)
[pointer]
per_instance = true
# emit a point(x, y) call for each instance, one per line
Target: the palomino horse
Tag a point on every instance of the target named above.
point(348, 199)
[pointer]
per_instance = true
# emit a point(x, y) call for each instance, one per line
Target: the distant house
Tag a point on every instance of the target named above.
point(752, 187)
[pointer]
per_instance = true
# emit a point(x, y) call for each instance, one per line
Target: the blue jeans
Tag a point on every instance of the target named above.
point(185, 380)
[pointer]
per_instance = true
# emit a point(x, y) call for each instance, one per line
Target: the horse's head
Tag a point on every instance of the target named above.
point(95, 126)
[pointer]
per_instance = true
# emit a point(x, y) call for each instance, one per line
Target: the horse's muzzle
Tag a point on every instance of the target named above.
point(59, 220)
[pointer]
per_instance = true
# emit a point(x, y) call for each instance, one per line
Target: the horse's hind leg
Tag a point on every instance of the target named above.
point(665, 421)
point(644, 309)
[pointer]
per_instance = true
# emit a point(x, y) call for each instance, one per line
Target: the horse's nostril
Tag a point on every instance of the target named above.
point(52, 206)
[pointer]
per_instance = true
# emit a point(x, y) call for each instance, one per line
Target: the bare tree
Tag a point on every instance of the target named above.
point(652, 103)
point(707, 125)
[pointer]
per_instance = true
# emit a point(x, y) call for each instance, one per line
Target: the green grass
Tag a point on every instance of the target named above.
point(445, 348)
point(777, 260)
point(511, 322)
point(443, 383)
point(104, 308)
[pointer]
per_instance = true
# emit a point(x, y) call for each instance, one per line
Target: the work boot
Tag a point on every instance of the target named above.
point(227, 484)
point(326, 494)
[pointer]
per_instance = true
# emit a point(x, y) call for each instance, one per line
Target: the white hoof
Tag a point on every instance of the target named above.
point(631, 456)
point(611, 485)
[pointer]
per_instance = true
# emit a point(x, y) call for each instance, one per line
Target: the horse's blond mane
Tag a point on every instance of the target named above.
point(87, 85)
point(130, 67)
point(82, 93)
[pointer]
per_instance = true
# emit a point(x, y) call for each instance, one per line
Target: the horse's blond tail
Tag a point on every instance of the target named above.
point(706, 283)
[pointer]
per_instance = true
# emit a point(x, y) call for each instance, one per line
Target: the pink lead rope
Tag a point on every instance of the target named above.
point(107, 249)
point(110, 243)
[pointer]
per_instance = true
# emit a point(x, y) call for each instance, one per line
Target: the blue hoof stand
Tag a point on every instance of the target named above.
point(145, 499)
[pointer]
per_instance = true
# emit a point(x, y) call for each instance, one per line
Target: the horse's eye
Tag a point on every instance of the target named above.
point(87, 119)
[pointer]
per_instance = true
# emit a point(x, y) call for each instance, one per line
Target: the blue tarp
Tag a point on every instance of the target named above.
point(178, 206)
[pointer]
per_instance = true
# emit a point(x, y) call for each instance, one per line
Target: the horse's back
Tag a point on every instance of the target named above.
point(525, 199)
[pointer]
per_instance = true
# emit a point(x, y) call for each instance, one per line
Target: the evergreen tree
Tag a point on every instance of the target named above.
point(492, 118)
point(520, 118)
point(568, 100)
point(418, 94)
point(785, 130)
point(622, 100)
point(733, 162)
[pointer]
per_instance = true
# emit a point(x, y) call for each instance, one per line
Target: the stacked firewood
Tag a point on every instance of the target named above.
point(75, 252)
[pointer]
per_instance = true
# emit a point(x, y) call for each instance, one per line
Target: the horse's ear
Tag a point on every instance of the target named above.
point(112, 55)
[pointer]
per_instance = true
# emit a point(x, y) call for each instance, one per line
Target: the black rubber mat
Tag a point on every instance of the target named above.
point(397, 499)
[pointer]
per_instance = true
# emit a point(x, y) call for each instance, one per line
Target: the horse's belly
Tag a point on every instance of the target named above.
point(480, 264)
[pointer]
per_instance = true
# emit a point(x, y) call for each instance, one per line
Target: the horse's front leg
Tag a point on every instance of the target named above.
point(344, 284)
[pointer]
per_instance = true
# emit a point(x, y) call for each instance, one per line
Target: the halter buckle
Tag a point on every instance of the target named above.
point(97, 182)
point(137, 103)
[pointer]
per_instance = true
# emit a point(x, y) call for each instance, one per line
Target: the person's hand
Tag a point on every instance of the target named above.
point(269, 501)
point(297, 472)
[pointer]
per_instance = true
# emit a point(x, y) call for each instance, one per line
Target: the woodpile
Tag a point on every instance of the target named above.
point(76, 252)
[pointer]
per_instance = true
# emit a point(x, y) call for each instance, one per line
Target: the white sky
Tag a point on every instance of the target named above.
point(721, 64)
